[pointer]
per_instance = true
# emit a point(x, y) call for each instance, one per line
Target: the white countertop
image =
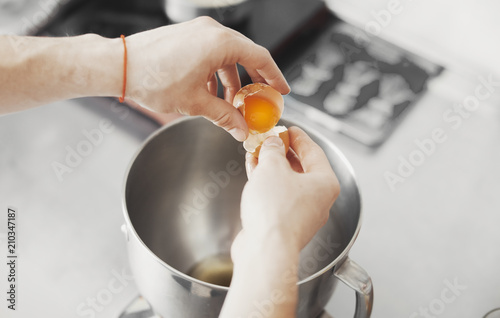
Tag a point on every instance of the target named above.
point(440, 224)
point(459, 34)
point(70, 246)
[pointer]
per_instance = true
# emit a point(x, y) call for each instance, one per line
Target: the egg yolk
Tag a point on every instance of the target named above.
point(261, 114)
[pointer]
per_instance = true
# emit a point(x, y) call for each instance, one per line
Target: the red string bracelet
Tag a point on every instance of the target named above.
point(122, 98)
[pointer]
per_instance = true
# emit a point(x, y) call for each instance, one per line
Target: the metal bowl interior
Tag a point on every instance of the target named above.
point(183, 190)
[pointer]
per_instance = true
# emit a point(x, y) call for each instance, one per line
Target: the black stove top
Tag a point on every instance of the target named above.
point(276, 25)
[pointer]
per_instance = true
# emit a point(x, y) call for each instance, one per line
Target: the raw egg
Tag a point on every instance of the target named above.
point(261, 106)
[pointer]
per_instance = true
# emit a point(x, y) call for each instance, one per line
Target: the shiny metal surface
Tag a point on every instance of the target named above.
point(356, 277)
point(140, 308)
point(181, 203)
point(70, 245)
point(495, 313)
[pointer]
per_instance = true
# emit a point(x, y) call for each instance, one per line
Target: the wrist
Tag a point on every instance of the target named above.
point(99, 65)
point(272, 236)
point(271, 246)
point(264, 273)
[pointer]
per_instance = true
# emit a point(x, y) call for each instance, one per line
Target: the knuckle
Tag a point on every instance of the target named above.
point(272, 157)
point(206, 20)
point(222, 119)
point(265, 52)
point(196, 108)
point(231, 89)
point(222, 36)
point(264, 56)
point(333, 186)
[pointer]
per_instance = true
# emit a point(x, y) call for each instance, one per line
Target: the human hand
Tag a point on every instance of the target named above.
point(285, 202)
point(288, 194)
point(172, 69)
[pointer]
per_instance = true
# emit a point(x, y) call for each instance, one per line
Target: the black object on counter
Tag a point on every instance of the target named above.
point(357, 84)
point(360, 88)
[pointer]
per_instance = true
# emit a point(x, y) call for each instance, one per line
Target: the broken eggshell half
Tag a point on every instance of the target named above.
point(261, 106)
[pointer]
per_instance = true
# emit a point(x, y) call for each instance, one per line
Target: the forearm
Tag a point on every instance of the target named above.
point(264, 281)
point(35, 71)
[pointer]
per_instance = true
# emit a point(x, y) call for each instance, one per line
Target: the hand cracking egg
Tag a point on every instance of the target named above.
point(261, 106)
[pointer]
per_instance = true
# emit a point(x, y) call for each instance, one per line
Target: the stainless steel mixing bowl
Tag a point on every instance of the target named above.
point(182, 204)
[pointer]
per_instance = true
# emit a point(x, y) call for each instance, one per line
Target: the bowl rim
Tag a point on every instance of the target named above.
point(310, 130)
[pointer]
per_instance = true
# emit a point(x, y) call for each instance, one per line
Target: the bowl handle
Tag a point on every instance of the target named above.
point(357, 278)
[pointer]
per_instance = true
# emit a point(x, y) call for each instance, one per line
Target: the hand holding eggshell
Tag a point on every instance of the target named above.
point(261, 106)
point(174, 68)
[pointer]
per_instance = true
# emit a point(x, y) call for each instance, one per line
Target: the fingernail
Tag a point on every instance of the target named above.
point(273, 142)
point(238, 134)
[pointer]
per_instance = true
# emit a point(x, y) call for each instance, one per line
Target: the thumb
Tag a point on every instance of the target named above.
point(224, 115)
point(272, 150)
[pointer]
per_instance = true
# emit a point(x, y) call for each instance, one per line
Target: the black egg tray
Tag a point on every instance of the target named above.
point(357, 84)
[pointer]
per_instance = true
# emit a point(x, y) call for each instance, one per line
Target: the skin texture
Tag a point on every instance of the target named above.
point(285, 202)
point(36, 71)
point(172, 70)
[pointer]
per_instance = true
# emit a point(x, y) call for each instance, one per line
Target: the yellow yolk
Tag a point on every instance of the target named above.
point(261, 114)
point(261, 106)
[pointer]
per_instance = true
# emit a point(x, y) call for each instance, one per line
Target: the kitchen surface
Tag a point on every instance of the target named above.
point(429, 174)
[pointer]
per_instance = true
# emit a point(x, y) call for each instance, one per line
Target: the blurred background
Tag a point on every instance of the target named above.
point(408, 90)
